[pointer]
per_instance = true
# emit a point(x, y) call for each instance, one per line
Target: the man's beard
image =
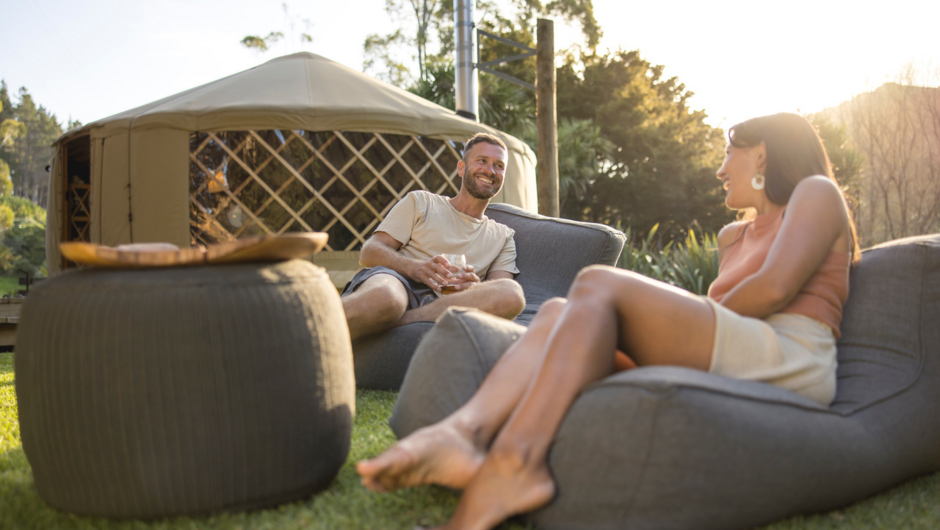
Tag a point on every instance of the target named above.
point(475, 191)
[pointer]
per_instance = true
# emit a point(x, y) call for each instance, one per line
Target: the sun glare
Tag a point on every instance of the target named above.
point(745, 59)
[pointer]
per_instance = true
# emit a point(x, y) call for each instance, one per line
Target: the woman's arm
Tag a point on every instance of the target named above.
point(815, 224)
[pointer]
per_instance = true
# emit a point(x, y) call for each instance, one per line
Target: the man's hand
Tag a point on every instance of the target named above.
point(463, 280)
point(435, 272)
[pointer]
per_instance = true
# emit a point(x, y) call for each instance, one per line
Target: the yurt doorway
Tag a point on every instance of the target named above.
point(77, 192)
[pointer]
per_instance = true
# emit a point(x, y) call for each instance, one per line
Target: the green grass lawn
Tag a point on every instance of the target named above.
point(346, 505)
point(9, 285)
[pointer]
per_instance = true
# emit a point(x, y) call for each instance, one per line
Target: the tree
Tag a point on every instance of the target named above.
point(896, 128)
point(24, 238)
point(378, 56)
point(575, 11)
point(262, 44)
point(662, 171)
point(379, 49)
point(6, 219)
point(583, 154)
point(428, 18)
point(10, 129)
point(847, 161)
point(503, 106)
point(28, 154)
point(631, 151)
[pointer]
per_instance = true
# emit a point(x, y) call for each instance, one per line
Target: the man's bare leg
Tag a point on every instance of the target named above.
point(377, 304)
point(448, 453)
point(503, 298)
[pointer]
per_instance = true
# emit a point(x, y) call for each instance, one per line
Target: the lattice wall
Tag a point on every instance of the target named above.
point(269, 182)
point(78, 211)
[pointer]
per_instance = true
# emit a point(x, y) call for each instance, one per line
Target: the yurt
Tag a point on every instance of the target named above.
point(299, 143)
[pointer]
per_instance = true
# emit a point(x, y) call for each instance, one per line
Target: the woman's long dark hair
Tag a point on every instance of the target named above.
point(794, 152)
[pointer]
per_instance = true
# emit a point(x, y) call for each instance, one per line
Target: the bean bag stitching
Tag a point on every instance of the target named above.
point(628, 509)
point(608, 244)
point(78, 288)
point(915, 376)
point(79, 276)
point(459, 317)
point(676, 386)
point(927, 240)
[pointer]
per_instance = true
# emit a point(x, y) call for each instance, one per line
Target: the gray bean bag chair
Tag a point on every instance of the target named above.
point(159, 392)
point(550, 252)
point(667, 447)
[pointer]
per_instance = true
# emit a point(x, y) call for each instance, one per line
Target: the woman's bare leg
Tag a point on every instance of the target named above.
point(653, 322)
point(449, 453)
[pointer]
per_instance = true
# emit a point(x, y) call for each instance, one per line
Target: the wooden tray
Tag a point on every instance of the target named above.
point(261, 248)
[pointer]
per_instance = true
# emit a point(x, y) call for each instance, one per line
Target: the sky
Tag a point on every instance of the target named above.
point(88, 59)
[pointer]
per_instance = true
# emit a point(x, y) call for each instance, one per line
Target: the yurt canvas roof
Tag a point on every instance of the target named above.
point(302, 91)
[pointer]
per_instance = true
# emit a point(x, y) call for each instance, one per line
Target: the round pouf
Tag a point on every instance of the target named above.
point(157, 392)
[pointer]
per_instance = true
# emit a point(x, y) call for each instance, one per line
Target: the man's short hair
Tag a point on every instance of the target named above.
point(481, 138)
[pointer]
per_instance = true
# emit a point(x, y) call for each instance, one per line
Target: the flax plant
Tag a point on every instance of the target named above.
point(691, 264)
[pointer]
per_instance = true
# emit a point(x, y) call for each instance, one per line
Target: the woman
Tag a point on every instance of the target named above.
point(772, 315)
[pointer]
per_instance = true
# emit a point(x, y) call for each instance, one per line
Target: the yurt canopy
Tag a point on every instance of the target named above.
point(297, 143)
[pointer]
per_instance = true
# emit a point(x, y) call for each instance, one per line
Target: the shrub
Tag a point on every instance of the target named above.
point(691, 265)
point(24, 243)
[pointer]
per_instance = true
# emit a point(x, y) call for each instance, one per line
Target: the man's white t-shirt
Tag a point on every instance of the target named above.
point(427, 225)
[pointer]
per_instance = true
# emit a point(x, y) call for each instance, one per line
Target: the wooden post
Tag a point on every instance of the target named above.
point(546, 121)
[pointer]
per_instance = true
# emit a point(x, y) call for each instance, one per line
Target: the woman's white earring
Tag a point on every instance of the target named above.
point(757, 182)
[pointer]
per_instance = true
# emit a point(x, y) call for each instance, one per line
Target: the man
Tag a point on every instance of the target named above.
point(406, 267)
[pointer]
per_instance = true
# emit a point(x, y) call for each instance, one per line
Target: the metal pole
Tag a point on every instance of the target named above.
point(546, 121)
point(466, 85)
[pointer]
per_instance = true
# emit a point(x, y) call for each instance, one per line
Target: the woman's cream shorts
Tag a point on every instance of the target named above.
point(794, 352)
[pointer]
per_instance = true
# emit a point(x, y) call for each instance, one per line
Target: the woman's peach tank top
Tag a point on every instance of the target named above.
point(821, 297)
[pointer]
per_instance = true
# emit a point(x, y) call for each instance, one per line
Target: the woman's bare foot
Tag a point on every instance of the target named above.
point(445, 454)
point(508, 483)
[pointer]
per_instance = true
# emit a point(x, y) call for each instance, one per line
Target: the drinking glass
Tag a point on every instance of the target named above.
point(455, 260)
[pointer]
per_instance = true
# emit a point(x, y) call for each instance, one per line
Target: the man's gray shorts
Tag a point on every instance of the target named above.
point(419, 294)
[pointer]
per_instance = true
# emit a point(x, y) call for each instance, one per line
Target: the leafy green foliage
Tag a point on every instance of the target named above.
point(6, 185)
point(380, 49)
point(378, 58)
point(575, 11)
point(6, 218)
point(27, 241)
point(663, 170)
point(10, 129)
point(24, 209)
point(28, 154)
point(261, 44)
point(691, 265)
point(24, 238)
point(421, 23)
point(583, 153)
point(847, 161)
point(631, 151)
point(504, 106)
